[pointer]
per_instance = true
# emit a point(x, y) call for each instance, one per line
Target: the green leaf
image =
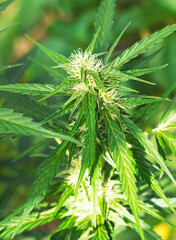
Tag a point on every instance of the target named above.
point(5, 4)
point(16, 123)
point(95, 182)
point(149, 209)
point(56, 57)
point(5, 29)
point(32, 221)
point(101, 233)
point(30, 150)
point(144, 113)
point(125, 167)
point(58, 74)
point(108, 158)
point(88, 154)
point(160, 145)
point(68, 191)
point(115, 44)
point(169, 139)
point(143, 46)
point(83, 76)
point(147, 144)
point(88, 237)
point(122, 211)
point(161, 203)
point(150, 179)
point(121, 76)
point(140, 72)
point(141, 62)
point(10, 66)
point(63, 110)
point(137, 100)
point(29, 107)
point(76, 104)
point(104, 21)
point(45, 175)
point(78, 96)
point(65, 84)
point(92, 44)
point(97, 79)
point(110, 230)
point(67, 223)
point(31, 88)
point(148, 231)
point(168, 111)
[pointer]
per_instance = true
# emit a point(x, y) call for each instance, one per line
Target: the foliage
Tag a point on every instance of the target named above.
point(103, 160)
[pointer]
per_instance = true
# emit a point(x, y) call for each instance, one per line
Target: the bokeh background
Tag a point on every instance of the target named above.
point(63, 26)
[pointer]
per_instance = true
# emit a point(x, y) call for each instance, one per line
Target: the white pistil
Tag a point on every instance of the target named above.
point(86, 61)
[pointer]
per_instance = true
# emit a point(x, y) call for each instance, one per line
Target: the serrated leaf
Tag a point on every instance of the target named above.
point(147, 144)
point(169, 124)
point(121, 76)
point(140, 72)
point(104, 21)
point(56, 57)
point(76, 104)
point(110, 230)
point(137, 100)
point(29, 107)
point(65, 84)
point(169, 139)
point(58, 113)
point(148, 231)
point(153, 212)
point(143, 46)
point(101, 233)
point(88, 237)
point(125, 89)
point(16, 123)
point(92, 44)
point(30, 150)
point(150, 179)
point(88, 154)
point(125, 166)
point(68, 191)
point(32, 221)
point(161, 203)
point(141, 62)
point(58, 74)
point(97, 79)
point(95, 182)
point(168, 111)
point(160, 145)
point(31, 88)
point(115, 44)
point(67, 223)
point(108, 158)
point(45, 175)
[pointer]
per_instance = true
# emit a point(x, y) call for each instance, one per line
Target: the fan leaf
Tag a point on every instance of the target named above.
point(143, 46)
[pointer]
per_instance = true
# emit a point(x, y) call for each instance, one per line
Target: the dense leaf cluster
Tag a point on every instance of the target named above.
point(106, 151)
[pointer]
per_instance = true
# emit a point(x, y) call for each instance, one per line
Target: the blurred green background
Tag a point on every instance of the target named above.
point(63, 26)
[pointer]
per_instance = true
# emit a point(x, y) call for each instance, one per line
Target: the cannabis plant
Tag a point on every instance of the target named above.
point(104, 160)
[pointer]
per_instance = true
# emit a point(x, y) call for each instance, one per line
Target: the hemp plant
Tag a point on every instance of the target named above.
point(104, 160)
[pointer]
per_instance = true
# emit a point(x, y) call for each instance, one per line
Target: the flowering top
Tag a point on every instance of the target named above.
point(83, 60)
point(87, 64)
